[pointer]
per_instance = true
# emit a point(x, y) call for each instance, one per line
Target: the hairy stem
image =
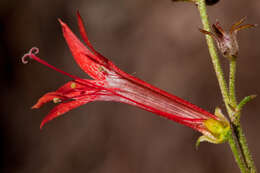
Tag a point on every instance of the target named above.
point(243, 143)
point(241, 139)
point(237, 154)
point(232, 75)
point(213, 53)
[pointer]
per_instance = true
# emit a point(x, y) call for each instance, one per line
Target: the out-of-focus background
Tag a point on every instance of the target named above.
point(156, 40)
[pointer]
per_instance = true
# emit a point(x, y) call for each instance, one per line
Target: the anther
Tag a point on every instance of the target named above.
point(56, 100)
point(73, 85)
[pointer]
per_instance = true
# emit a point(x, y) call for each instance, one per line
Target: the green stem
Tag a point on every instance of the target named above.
point(243, 143)
point(232, 75)
point(241, 139)
point(236, 123)
point(236, 153)
point(213, 53)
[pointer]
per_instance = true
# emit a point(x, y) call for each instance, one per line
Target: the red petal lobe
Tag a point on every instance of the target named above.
point(84, 36)
point(45, 99)
point(88, 61)
point(61, 109)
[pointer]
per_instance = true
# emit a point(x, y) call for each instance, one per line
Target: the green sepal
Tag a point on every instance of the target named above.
point(217, 130)
point(220, 115)
point(204, 138)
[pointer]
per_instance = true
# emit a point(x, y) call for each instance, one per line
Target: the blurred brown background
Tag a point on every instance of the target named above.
point(156, 40)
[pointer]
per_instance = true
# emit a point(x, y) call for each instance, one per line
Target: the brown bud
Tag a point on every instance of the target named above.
point(227, 40)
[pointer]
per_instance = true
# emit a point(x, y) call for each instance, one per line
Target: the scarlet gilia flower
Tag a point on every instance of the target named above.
point(112, 84)
point(227, 40)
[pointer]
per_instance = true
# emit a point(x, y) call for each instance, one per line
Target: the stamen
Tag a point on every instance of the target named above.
point(33, 51)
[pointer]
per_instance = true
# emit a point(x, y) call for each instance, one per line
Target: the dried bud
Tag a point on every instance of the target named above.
point(227, 40)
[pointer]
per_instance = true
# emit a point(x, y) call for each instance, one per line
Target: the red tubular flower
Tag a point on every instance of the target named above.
point(112, 84)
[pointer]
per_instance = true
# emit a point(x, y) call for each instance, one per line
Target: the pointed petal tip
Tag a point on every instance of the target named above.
point(79, 17)
point(46, 120)
point(36, 106)
point(78, 13)
point(42, 124)
point(61, 22)
point(80, 21)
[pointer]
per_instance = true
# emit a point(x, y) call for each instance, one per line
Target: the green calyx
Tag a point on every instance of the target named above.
point(218, 131)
